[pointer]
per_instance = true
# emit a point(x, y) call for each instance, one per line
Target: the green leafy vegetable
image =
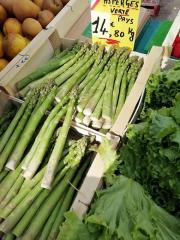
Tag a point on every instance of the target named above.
point(151, 156)
point(122, 212)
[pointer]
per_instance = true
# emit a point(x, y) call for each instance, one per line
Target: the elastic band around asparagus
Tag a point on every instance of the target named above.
point(60, 142)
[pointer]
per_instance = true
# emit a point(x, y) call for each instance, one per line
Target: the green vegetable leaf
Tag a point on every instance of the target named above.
point(109, 156)
point(74, 229)
point(126, 212)
point(161, 126)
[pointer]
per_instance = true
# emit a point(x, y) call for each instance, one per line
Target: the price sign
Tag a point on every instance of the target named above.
point(115, 21)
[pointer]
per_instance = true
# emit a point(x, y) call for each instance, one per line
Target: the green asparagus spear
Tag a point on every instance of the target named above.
point(124, 83)
point(122, 95)
point(60, 143)
point(97, 95)
point(85, 99)
point(13, 124)
point(74, 68)
point(29, 130)
point(107, 101)
point(134, 74)
point(45, 68)
point(45, 210)
point(15, 136)
point(17, 213)
point(43, 130)
point(8, 182)
point(72, 81)
point(9, 236)
point(79, 117)
point(48, 226)
point(43, 146)
point(12, 192)
point(67, 202)
point(117, 84)
point(3, 174)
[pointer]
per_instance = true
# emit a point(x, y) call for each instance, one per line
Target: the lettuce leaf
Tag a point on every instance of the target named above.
point(123, 211)
point(151, 156)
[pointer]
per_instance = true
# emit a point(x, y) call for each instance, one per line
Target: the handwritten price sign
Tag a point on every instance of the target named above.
point(115, 21)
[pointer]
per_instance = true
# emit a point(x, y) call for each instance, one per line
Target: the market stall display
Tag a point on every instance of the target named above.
point(100, 77)
point(124, 209)
point(89, 134)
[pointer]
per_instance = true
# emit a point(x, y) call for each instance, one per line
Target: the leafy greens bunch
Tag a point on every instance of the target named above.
point(122, 212)
point(161, 90)
point(151, 156)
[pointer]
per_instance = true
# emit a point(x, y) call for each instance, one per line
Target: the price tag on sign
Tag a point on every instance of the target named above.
point(115, 22)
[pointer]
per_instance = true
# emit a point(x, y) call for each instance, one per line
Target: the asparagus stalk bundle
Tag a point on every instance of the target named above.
point(53, 64)
point(60, 143)
point(96, 72)
point(26, 215)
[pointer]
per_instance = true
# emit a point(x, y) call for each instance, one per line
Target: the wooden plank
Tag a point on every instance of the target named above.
point(171, 36)
point(94, 176)
point(79, 26)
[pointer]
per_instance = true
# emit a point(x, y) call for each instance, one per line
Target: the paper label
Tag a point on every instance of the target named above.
point(115, 22)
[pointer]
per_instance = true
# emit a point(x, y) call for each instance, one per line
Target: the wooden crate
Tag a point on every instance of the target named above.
point(42, 52)
point(94, 176)
point(63, 22)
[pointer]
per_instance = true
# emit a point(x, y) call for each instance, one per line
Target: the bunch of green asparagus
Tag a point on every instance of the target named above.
point(6, 118)
point(104, 79)
point(27, 211)
point(23, 143)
